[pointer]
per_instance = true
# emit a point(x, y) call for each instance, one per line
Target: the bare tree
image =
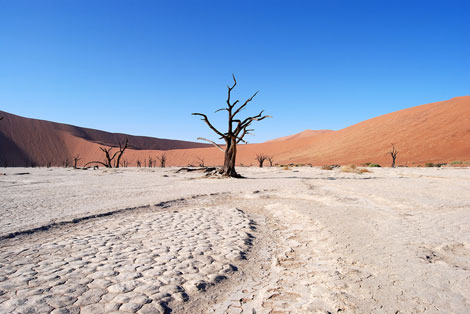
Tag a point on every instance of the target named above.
point(237, 129)
point(261, 158)
point(200, 161)
point(76, 158)
point(108, 163)
point(270, 159)
point(124, 163)
point(122, 148)
point(66, 162)
point(139, 164)
point(162, 160)
point(394, 154)
point(151, 162)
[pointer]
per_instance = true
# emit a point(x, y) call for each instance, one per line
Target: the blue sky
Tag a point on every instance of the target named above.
point(142, 67)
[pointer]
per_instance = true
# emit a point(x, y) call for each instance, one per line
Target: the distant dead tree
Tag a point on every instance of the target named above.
point(270, 159)
point(261, 158)
point(394, 154)
point(235, 133)
point(139, 164)
point(48, 164)
point(76, 158)
point(116, 157)
point(200, 161)
point(151, 162)
point(162, 160)
point(66, 162)
point(124, 163)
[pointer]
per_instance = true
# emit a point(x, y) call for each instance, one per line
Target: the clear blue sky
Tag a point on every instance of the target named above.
point(142, 67)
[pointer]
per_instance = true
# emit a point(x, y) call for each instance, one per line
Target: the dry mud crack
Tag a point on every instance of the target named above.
point(142, 261)
point(323, 242)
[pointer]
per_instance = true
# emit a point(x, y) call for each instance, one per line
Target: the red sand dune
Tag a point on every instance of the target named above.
point(436, 132)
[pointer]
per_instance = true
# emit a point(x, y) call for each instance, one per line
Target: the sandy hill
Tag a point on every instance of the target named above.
point(30, 141)
point(435, 132)
point(305, 133)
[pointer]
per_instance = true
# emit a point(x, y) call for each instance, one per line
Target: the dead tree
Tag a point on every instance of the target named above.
point(151, 163)
point(66, 163)
point(237, 129)
point(162, 160)
point(200, 161)
point(108, 163)
point(139, 164)
point(76, 158)
point(124, 163)
point(394, 154)
point(261, 158)
point(270, 159)
point(122, 148)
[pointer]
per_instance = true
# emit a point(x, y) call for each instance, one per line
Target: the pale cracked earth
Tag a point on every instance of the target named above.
point(303, 240)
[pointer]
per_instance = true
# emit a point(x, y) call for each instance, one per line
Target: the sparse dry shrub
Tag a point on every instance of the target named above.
point(353, 169)
point(326, 167)
point(286, 168)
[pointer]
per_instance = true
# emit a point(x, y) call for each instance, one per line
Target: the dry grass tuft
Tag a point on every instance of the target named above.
point(353, 169)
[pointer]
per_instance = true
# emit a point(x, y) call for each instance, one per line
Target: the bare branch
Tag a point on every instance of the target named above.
point(247, 122)
point(246, 103)
point(213, 143)
point(230, 90)
point(204, 118)
point(96, 162)
point(245, 132)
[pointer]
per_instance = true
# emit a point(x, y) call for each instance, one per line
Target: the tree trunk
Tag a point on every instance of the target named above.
point(229, 160)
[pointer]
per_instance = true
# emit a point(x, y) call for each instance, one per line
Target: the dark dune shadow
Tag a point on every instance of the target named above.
point(11, 154)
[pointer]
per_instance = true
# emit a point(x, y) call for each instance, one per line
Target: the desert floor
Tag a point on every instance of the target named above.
point(302, 240)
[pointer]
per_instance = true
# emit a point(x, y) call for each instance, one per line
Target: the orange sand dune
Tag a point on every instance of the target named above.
point(305, 133)
point(436, 132)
